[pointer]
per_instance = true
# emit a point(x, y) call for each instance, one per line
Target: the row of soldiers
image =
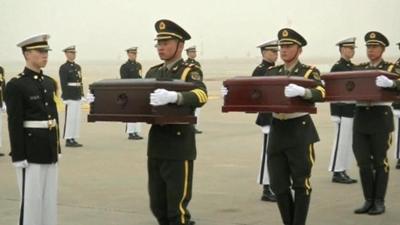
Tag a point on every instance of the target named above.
point(35, 147)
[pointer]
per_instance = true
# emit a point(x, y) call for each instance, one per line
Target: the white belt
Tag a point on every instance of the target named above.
point(287, 116)
point(374, 104)
point(40, 123)
point(75, 84)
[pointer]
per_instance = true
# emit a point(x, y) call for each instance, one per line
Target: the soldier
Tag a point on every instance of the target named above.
point(34, 134)
point(132, 70)
point(269, 52)
point(373, 124)
point(291, 140)
point(342, 115)
point(396, 112)
point(2, 104)
point(172, 147)
point(72, 95)
point(192, 54)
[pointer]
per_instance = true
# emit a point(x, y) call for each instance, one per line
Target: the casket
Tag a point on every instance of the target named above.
point(128, 100)
point(358, 86)
point(265, 94)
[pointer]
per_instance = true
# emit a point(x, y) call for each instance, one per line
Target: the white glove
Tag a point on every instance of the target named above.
point(335, 119)
point(396, 113)
point(223, 91)
point(90, 98)
point(4, 108)
point(83, 99)
point(21, 164)
point(163, 97)
point(383, 81)
point(59, 156)
point(293, 90)
point(265, 129)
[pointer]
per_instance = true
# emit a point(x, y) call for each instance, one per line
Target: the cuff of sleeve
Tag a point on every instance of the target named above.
point(307, 94)
point(179, 101)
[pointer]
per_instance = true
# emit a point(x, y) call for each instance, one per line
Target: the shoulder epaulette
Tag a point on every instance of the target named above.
point(156, 66)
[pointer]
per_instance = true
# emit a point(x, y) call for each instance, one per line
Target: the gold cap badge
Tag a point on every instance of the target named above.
point(285, 33)
point(161, 26)
point(372, 35)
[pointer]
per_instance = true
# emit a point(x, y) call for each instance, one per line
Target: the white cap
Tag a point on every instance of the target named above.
point(133, 49)
point(191, 48)
point(269, 45)
point(38, 41)
point(348, 42)
point(71, 48)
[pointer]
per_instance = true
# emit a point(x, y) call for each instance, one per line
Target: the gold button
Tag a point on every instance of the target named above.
point(178, 133)
point(367, 108)
point(386, 113)
point(46, 104)
point(304, 122)
point(49, 116)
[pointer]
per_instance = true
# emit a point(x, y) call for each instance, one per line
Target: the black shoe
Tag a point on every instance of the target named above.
point(342, 178)
point(191, 223)
point(1, 154)
point(196, 131)
point(368, 204)
point(72, 143)
point(134, 136)
point(268, 195)
point(378, 208)
point(398, 164)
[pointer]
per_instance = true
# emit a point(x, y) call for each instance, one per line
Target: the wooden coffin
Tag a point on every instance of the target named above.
point(358, 86)
point(265, 94)
point(128, 100)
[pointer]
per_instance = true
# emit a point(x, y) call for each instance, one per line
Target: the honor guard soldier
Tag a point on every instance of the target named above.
point(373, 125)
point(269, 53)
point(292, 136)
point(342, 114)
point(72, 95)
point(34, 134)
point(2, 104)
point(132, 70)
point(396, 112)
point(192, 54)
point(172, 147)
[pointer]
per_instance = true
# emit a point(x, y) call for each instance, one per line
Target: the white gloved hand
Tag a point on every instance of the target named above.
point(83, 99)
point(21, 164)
point(4, 108)
point(383, 81)
point(162, 97)
point(396, 113)
point(265, 129)
point(223, 91)
point(90, 98)
point(59, 156)
point(335, 119)
point(293, 90)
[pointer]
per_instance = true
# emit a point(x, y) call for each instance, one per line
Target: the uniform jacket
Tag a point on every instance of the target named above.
point(177, 141)
point(374, 119)
point(2, 86)
point(342, 109)
point(301, 130)
point(263, 119)
point(193, 61)
point(30, 96)
point(131, 70)
point(70, 73)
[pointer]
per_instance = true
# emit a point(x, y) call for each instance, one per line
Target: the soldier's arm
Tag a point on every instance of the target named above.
point(58, 123)
point(15, 110)
point(122, 71)
point(316, 94)
point(140, 69)
point(3, 84)
point(198, 96)
point(63, 78)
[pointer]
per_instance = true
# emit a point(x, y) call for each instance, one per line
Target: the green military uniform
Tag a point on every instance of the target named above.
point(290, 148)
point(172, 147)
point(373, 124)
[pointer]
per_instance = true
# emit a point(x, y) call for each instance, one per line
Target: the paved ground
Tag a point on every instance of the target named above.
point(105, 183)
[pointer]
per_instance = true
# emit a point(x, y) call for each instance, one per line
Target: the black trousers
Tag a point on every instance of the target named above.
point(170, 189)
point(370, 152)
point(291, 168)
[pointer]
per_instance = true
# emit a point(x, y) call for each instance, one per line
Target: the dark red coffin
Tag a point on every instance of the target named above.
point(265, 94)
point(128, 100)
point(358, 86)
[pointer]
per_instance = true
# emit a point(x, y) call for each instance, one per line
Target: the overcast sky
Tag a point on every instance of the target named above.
point(103, 29)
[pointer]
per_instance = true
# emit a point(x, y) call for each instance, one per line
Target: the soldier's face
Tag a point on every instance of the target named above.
point(71, 56)
point(132, 55)
point(347, 52)
point(37, 58)
point(289, 53)
point(374, 52)
point(168, 49)
point(192, 54)
point(270, 55)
